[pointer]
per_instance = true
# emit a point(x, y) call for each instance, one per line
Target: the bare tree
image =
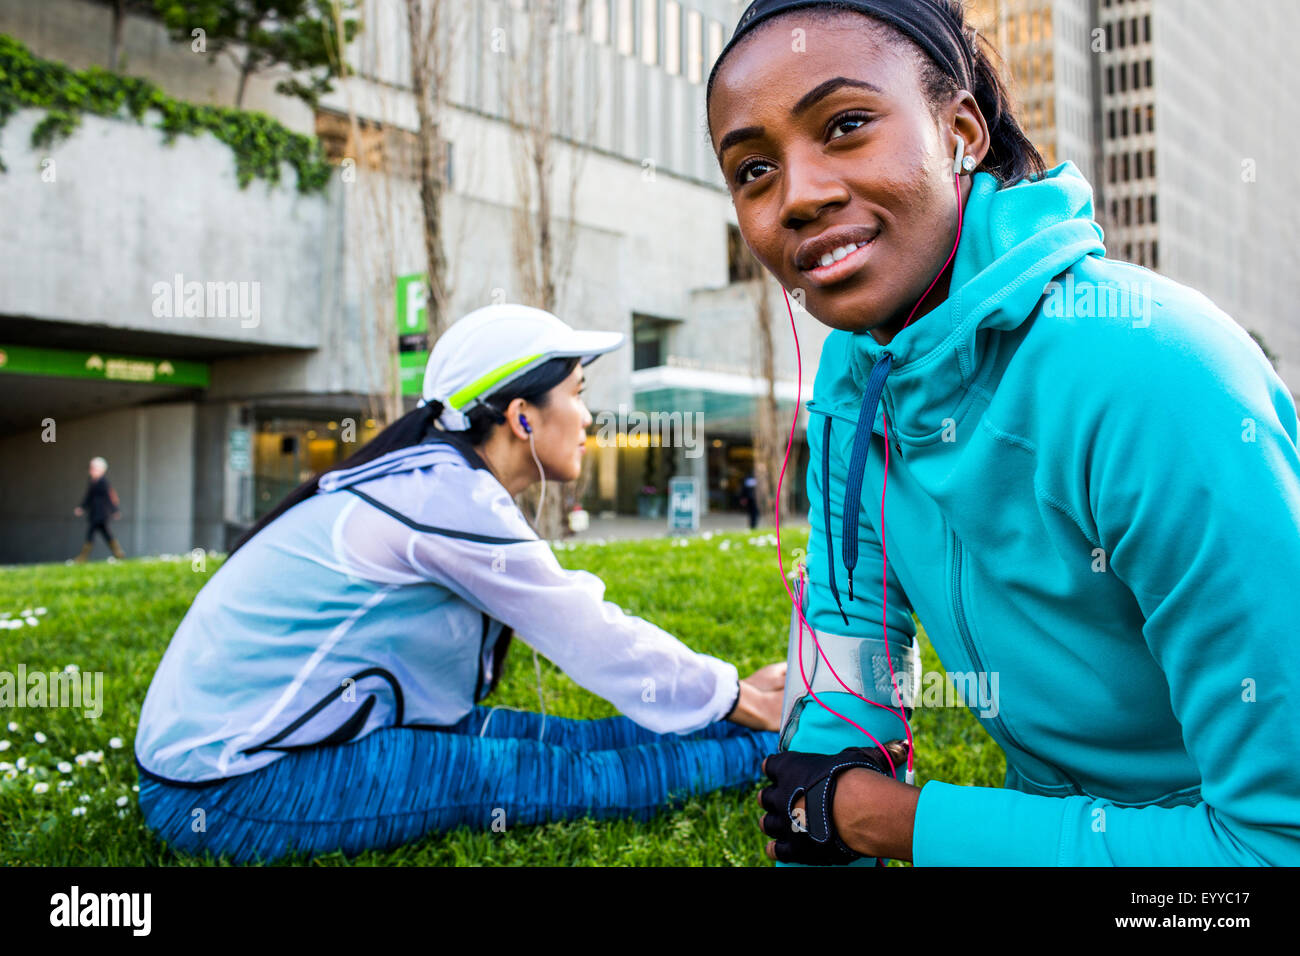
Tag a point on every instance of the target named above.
point(539, 91)
point(429, 28)
point(768, 430)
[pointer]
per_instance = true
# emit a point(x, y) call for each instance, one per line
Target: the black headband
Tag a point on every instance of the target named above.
point(929, 23)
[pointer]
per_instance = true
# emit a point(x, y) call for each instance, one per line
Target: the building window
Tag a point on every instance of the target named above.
point(1137, 119)
point(1142, 210)
point(1128, 211)
point(1151, 162)
point(715, 42)
point(1110, 36)
point(1137, 165)
point(1110, 123)
point(741, 264)
point(694, 46)
point(1123, 79)
point(673, 37)
point(1136, 75)
point(1126, 167)
point(626, 27)
point(1155, 254)
point(1110, 80)
point(649, 341)
point(1146, 28)
point(1114, 167)
point(1123, 122)
point(1146, 66)
point(1153, 208)
point(650, 32)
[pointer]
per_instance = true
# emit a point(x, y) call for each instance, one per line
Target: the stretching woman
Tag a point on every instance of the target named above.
point(320, 693)
point(1093, 495)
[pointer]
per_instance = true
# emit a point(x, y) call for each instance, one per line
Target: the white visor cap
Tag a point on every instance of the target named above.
point(492, 346)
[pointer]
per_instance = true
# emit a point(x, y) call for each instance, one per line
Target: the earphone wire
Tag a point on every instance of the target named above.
point(798, 604)
point(537, 523)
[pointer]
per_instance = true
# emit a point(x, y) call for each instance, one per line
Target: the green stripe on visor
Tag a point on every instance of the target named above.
point(462, 397)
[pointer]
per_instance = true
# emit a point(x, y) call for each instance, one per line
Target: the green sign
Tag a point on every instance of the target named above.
point(412, 370)
point(412, 332)
point(412, 310)
point(103, 366)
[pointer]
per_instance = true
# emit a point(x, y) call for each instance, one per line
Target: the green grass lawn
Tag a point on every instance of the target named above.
point(118, 619)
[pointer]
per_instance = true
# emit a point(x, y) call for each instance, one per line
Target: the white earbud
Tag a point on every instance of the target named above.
point(959, 164)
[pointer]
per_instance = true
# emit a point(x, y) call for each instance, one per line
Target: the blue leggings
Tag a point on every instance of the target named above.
point(398, 784)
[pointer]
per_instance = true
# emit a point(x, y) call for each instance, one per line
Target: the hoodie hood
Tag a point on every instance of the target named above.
point(1014, 241)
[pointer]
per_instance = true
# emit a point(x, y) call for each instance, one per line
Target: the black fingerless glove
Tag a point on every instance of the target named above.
point(814, 840)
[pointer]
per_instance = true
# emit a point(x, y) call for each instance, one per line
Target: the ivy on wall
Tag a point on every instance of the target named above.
point(260, 144)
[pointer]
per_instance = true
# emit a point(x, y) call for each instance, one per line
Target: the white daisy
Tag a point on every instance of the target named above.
point(39, 737)
point(123, 801)
point(78, 811)
point(40, 787)
point(64, 766)
point(116, 743)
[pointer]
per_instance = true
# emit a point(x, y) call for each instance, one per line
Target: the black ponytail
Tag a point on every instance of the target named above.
point(1011, 156)
point(417, 426)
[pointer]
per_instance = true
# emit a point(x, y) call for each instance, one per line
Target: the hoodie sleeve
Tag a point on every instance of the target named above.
point(818, 730)
point(1193, 485)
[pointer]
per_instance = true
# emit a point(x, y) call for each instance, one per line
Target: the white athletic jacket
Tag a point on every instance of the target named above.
point(380, 602)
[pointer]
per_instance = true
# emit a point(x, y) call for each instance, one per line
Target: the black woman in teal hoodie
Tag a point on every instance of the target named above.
point(1081, 477)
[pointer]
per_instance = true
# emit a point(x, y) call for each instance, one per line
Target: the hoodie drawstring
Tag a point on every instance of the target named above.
point(857, 465)
point(826, 510)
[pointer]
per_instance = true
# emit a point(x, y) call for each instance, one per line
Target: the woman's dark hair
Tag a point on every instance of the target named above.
point(1011, 156)
point(417, 426)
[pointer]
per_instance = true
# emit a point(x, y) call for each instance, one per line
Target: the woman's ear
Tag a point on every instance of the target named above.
point(514, 412)
point(965, 122)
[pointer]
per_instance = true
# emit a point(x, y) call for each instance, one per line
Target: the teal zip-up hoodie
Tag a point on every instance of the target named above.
point(1094, 501)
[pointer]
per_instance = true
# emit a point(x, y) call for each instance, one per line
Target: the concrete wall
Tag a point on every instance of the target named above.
point(126, 212)
point(150, 453)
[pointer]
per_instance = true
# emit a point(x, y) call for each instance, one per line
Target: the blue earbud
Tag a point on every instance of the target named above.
point(524, 421)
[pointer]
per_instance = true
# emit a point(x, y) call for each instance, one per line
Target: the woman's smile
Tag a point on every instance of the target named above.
point(846, 260)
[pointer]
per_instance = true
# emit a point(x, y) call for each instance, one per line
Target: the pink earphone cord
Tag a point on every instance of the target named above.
point(798, 604)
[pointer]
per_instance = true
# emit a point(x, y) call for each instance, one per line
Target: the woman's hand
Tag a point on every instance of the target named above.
point(771, 677)
point(78, 511)
point(759, 706)
point(872, 814)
